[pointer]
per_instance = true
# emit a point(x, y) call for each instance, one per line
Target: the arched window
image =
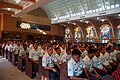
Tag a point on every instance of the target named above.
point(90, 34)
point(68, 34)
point(118, 32)
point(105, 34)
point(77, 34)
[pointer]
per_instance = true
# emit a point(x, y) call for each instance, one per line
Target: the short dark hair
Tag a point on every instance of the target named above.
point(68, 49)
point(118, 58)
point(91, 51)
point(57, 48)
point(76, 52)
point(48, 47)
point(108, 48)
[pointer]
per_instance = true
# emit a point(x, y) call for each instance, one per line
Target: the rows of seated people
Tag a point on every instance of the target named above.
point(84, 61)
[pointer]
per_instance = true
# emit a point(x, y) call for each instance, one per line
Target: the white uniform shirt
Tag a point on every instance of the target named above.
point(10, 47)
point(66, 57)
point(103, 59)
point(23, 52)
point(17, 48)
point(63, 51)
point(75, 68)
point(42, 52)
point(58, 57)
point(84, 53)
point(35, 54)
point(97, 62)
point(6, 47)
point(49, 60)
point(89, 63)
point(107, 57)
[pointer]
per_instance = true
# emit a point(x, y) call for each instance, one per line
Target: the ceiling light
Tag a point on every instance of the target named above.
point(117, 5)
point(100, 9)
point(98, 18)
point(87, 11)
point(93, 10)
point(97, 10)
point(74, 23)
point(87, 22)
point(108, 7)
point(18, 1)
point(118, 14)
point(90, 11)
point(82, 12)
point(103, 20)
point(112, 6)
point(81, 20)
point(8, 9)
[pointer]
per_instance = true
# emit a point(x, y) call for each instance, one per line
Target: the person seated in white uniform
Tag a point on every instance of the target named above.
point(104, 61)
point(76, 67)
point(98, 65)
point(88, 59)
point(67, 56)
point(49, 61)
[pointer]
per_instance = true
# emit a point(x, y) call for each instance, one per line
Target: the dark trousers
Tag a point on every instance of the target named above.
point(101, 73)
point(54, 75)
point(36, 70)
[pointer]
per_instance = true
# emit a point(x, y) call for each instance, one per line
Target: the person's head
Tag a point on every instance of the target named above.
point(86, 47)
point(43, 46)
point(54, 45)
point(108, 49)
point(76, 54)
point(35, 45)
point(63, 45)
point(49, 50)
point(18, 43)
point(118, 59)
point(24, 46)
point(91, 53)
point(82, 48)
point(74, 47)
point(58, 51)
point(102, 50)
point(68, 51)
point(97, 52)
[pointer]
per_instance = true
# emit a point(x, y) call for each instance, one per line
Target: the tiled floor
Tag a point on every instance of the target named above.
point(9, 72)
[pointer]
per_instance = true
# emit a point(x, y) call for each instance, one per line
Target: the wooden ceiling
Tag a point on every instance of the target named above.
point(11, 6)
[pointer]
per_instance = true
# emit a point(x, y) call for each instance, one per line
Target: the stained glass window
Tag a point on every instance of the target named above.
point(105, 33)
point(77, 34)
point(68, 34)
point(90, 33)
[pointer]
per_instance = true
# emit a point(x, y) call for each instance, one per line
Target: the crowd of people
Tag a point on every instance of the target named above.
point(85, 61)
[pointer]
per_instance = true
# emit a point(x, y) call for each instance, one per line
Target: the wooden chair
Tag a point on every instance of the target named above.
point(43, 74)
point(29, 67)
point(21, 64)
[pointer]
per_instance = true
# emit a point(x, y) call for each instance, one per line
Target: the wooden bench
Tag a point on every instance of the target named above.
point(43, 74)
point(29, 71)
point(63, 72)
point(14, 59)
point(3, 51)
point(9, 56)
point(21, 63)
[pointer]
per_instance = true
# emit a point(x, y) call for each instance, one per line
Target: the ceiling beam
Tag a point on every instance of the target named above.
point(36, 5)
point(10, 5)
point(6, 12)
point(33, 1)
